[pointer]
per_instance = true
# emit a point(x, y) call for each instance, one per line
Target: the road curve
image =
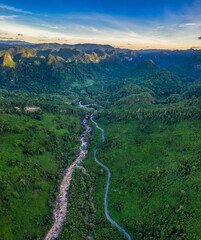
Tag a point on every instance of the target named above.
point(103, 132)
point(108, 185)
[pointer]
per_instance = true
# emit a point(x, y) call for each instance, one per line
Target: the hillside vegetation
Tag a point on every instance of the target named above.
point(150, 109)
point(35, 147)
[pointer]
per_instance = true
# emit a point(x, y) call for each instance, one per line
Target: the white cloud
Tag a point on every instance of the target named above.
point(5, 17)
point(171, 31)
point(10, 8)
point(190, 24)
point(187, 24)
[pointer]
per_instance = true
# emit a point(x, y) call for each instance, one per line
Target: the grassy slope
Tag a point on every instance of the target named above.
point(155, 178)
point(30, 163)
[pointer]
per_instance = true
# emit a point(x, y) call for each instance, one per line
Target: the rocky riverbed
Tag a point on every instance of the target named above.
point(61, 202)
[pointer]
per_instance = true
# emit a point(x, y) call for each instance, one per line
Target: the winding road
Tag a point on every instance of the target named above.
point(108, 185)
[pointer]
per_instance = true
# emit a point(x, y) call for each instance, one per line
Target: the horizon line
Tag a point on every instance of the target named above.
point(102, 44)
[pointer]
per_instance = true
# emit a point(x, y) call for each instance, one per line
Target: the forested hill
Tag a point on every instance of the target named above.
point(150, 112)
point(50, 68)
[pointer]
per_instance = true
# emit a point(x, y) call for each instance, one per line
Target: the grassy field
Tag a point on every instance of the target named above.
point(154, 192)
point(32, 154)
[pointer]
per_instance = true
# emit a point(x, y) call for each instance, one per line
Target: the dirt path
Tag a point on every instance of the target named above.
point(61, 203)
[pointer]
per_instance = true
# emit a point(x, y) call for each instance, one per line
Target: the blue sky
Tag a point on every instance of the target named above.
point(135, 24)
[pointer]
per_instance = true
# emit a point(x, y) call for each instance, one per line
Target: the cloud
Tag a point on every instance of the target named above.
point(190, 24)
point(8, 38)
point(196, 47)
point(6, 17)
point(172, 30)
point(10, 8)
point(187, 24)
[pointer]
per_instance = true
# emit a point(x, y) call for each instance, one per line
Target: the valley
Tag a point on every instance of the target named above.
point(61, 203)
point(141, 168)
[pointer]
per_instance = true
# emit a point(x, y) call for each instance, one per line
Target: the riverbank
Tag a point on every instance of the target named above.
point(61, 202)
point(108, 185)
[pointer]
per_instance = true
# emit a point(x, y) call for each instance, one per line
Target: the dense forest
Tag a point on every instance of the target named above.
point(151, 112)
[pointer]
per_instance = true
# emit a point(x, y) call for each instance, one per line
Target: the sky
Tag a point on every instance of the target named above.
point(132, 24)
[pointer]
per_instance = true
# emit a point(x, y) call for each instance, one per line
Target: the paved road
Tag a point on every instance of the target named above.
point(103, 133)
point(108, 185)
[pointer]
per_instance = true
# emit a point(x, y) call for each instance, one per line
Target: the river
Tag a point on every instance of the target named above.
point(61, 203)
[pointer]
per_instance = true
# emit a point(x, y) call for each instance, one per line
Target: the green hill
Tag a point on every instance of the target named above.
point(193, 91)
point(163, 83)
point(143, 68)
point(130, 89)
point(151, 118)
point(136, 101)
point(7, 61)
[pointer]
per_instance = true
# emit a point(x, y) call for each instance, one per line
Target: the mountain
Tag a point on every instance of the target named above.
point(136, 101)
point(82, 47)
point(92, 47)
point(143, 68)
point(189, 67)
point(150, 112)
point(14, 43)
point(194, 90)
point(168, 58)
point(7, 61)
point(163, 83)
point(131, 89)
point(56, 46)
point(73, 66)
